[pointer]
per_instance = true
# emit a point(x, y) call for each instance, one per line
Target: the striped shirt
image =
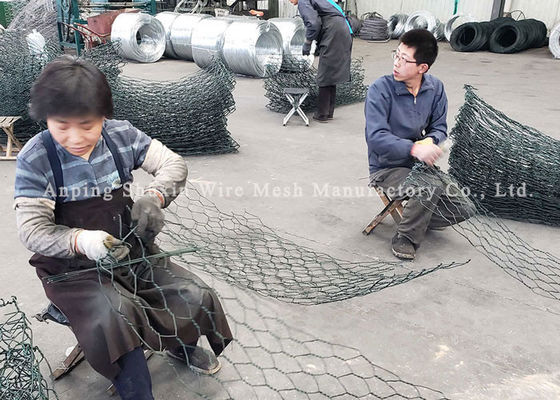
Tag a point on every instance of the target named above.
point(83, 179)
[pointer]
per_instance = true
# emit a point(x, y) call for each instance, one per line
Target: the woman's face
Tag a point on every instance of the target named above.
point(294, 2)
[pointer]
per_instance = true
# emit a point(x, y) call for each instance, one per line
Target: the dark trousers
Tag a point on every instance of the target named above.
point(441, 205)
point(326, 102)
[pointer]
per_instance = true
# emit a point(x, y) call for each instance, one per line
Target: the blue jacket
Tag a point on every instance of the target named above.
point(395, 120)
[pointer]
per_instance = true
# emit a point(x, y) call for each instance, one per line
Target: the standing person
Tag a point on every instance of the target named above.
point(326, 23)
point(406, 116)
point(73, 207)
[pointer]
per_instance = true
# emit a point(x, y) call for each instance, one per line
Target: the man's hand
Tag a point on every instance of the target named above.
point(425, 150)
point(147, 214)
point(96, 245)
point(306, 49)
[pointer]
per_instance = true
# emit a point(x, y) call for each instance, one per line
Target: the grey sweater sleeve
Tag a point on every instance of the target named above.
point(38, 231)
point(168, 168)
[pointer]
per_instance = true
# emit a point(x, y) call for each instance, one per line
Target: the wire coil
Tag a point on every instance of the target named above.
point(208, 40)
point(516, 36)
point(374, 27)
point(554, 41)
point(293, 37)
point(424, 20)
point(396, 24)
point(181, 34)
point(453, 22)
point(253, 47)
point(167, 18)
point(141, 37)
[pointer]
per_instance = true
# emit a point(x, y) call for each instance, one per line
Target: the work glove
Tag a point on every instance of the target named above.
point(96, 245)
point(306, 49)
point(148, 217)
point(426, 151)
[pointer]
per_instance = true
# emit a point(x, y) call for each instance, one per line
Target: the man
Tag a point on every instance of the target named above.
point(405, 123)
point(326, 23)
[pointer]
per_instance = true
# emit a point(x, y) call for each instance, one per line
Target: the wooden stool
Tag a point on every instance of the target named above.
point(393, 207)
point(7, 125)
point(76, 355)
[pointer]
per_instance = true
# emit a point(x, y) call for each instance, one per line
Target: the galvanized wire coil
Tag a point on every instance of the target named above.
point(554, 41)
point(396, 24)
point(181, 34)
point(293, 37)
point(141, 37)
point(167, 18)
point(208, 40)
point(455, 21)
point(424, 20)
point(253, 47)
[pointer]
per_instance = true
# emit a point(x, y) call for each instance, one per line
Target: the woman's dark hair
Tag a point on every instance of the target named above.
point(424, 43)
point(69, 87)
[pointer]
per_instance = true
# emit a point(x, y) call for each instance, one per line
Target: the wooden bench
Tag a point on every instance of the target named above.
point(13, 145)
point(393, 207)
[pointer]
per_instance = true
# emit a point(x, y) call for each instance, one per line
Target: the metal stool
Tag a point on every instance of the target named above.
point(76, 356)
point(393, 207)
point(296, 97)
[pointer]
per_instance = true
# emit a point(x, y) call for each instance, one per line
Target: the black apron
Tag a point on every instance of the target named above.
point(335, 51)
point(111, 316)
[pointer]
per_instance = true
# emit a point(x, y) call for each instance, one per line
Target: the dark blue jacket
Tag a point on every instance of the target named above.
point(395, 120)
point(311, 12)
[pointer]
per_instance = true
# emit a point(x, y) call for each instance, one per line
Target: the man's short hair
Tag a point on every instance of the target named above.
point(424, 43)
point(68, 87)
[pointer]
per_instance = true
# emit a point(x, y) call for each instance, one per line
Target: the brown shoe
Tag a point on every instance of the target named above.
point(402, 247)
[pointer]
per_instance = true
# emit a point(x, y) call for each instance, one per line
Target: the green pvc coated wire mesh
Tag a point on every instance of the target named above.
point(300, 75)
point(20, 360)
point(492, 153)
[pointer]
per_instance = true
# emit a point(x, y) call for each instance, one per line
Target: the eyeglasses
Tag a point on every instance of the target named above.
point(399, 58)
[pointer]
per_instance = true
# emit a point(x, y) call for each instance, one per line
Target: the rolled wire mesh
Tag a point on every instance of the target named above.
point(425, 20)
point(293, 37)
point(520, 157)
point(181, 34)
point(141, 37)
point(167, 18)
point(34, 14)
point(374, 27)
point(554, 41)
point(515, 36)
point(20, 360)
point(536, 269)
point(455, 21)
point(208, 40)
point(253, 47)
point(299, 76)
point(396, 25)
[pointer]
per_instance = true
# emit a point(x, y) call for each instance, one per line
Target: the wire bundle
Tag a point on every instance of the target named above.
point(554, 41)
point(293, 37)
point(141, 37)
point(425, 20)
point(167, 18)
point(208, 40)
point(474, 36)
point(181, 32)
point(396, 25)
point(516, 36)
point(448, 30)
point(374, 27)
point(253, 47)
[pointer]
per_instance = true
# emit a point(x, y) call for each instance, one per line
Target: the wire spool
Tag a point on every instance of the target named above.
point(456, 20)
point(515, 36)
point(167, 18)
point(181, 34)
point(208, 40)
point(141, 37)
point(554, 41)
point(374, 27)
point(293, 38)
point(474, 36)
point(253, 47)
point(421, 20)
point(396, 24)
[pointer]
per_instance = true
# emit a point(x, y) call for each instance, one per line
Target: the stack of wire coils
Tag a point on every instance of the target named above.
point(374, 27)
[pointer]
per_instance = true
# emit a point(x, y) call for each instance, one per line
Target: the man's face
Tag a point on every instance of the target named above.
point(78, 135)
point(404, 64)
point(294, 2)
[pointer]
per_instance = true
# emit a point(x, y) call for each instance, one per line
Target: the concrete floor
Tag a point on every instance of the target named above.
point(472, 332)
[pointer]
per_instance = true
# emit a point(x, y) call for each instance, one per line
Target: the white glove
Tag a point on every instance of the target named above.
point(96, 245)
